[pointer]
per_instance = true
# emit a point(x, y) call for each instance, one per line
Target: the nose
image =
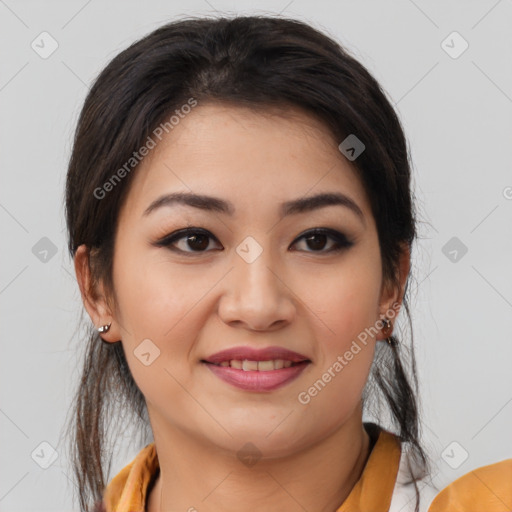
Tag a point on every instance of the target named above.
point(256, 296)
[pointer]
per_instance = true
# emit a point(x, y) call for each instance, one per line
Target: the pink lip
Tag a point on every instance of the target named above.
point(251, 354)
point(258, 380)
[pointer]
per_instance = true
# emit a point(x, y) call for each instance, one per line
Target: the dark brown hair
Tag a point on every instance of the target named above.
point(256, 62)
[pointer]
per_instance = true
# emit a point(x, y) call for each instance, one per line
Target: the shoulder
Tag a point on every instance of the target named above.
point(487, 488)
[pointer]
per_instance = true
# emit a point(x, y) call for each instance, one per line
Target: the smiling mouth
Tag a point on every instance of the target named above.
point(261, 366)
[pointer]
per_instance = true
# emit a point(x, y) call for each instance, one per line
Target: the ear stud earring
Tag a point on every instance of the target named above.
point(104, 328)
point(388, 327)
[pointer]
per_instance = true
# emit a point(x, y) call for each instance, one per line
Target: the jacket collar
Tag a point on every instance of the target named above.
point(127, 491)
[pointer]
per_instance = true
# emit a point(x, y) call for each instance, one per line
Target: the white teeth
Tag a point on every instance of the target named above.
point(262, 366)
point(249, 365)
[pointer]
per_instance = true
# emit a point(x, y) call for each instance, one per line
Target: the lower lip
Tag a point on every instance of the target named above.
point(256, 380)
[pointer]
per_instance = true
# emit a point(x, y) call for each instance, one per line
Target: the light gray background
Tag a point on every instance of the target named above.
point(457, 114)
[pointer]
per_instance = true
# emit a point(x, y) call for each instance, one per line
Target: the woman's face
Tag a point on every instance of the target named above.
point(248, 274)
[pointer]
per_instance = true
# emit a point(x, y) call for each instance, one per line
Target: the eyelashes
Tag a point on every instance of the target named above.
point(198, 239)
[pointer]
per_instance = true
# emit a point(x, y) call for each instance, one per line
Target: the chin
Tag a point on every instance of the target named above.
point(269, 441)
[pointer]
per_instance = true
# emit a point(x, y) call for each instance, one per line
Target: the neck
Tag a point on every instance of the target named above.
point(318, 478)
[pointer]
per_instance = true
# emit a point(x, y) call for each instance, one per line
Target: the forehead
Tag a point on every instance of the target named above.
point(246, 156)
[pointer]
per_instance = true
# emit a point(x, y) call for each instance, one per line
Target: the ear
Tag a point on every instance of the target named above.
point(392, 295)
point(94, 297)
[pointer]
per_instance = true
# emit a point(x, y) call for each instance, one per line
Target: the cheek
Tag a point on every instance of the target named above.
point(157, 308)
point(153, 300)
point(346, 352)
point(164, 304)
point(345, 300)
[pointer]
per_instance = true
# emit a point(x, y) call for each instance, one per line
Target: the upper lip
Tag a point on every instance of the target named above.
point(252, 354)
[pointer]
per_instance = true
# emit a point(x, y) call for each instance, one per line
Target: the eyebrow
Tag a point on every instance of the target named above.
point(215, 204)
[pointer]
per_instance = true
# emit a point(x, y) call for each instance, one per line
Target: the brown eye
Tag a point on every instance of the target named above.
point(193, 240)
point(318, 239)
point(317, 242)
point(197, 242)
